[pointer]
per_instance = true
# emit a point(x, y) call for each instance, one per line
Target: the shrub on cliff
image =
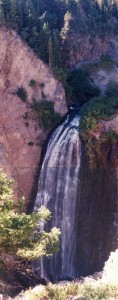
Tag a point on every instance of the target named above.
point(45, 111)
point(32, 83)
point(21, 93)
point(97, 108)
point(19, 235)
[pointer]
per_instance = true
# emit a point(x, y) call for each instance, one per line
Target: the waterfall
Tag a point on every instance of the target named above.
point(58, 191)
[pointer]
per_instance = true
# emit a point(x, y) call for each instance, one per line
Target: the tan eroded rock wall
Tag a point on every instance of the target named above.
point(21, 135)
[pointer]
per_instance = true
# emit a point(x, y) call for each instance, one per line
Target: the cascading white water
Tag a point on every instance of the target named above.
point(58, 190)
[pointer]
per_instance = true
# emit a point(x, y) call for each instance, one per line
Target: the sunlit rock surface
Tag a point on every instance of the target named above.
point(21, 134)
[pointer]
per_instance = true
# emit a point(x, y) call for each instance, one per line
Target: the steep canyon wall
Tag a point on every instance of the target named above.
point(98, 205)
point(82, 48)
point(22, 137)
point(21, 133)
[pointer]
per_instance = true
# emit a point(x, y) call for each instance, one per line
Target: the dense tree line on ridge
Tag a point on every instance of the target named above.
point(44, 24)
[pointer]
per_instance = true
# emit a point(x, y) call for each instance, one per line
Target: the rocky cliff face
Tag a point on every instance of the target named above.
point(22, 136)
point(98, 206)
point(21, 133)
point(83, 48)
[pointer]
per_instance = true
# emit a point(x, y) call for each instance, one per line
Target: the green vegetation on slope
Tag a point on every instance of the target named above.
point(36, 20)
point(105, 63)
point(81, 87)
point(93, 111)
point(45, 111)
point(96, 109)
point(46, 24)
point(21, 93)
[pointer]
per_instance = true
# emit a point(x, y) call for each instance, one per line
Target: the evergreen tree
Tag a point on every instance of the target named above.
point(7, 12)
point(44, 42)
point(50, 49)
point(105, 5)
point(114, 8)
point(57, 51)
point(20, 234)
point(14, 14)
point(36, 20)
point(2, 20)
point(20, 21)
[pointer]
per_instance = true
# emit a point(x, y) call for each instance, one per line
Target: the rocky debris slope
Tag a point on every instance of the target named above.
point(21, 133)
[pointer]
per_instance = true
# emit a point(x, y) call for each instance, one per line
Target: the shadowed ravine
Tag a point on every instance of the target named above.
point(57, 190)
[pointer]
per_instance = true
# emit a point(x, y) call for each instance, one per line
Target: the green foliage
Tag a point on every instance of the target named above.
point(21, 93)
point(32, 83)
point(91, 113)
point(57, 50)
point(36, 20)
point(105, 63)
point(60, 74)
point(82, 88)
point(97, 108)
point(18, 231)
point(112, 135)
point(43, 46)
point(45, 111)
point(112, 89)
